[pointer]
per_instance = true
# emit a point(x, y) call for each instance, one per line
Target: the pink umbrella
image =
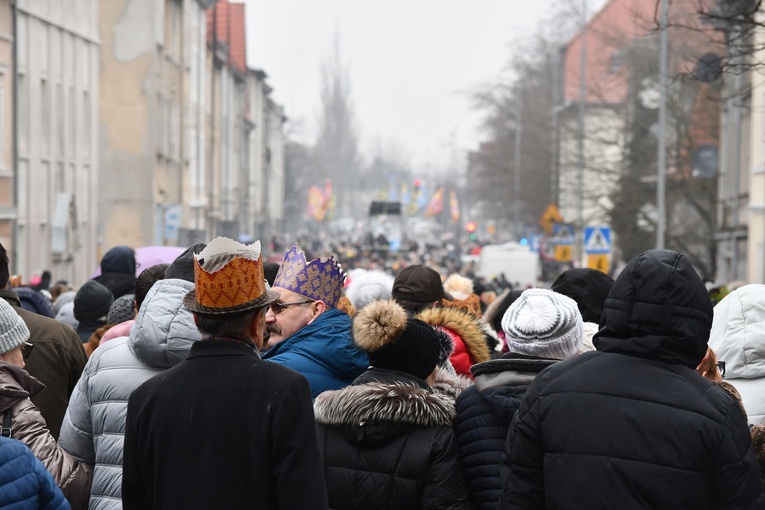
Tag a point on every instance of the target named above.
point(148, 256)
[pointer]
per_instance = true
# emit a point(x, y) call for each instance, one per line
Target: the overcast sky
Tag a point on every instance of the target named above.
point(412, 63)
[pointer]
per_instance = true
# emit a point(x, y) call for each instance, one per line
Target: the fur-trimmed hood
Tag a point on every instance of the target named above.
point(463, 326)
point(450, 383)
point(376, 403)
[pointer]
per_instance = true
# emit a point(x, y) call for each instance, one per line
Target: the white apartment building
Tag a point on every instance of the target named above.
point(57, 89)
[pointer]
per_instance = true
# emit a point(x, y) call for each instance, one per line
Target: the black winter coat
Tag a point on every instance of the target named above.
point(632, 425)
point(388, 444)
point(222, 429)
point(484, 413)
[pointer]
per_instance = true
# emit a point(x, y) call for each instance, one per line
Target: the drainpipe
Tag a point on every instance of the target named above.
point(14, 138)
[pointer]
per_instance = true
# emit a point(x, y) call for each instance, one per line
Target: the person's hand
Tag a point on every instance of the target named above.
point(708, 367)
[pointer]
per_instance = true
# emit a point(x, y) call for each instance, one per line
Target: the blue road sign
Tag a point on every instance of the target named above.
point(597, 240)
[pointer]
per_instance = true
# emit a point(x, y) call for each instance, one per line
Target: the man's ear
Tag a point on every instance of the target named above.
point(319, 307)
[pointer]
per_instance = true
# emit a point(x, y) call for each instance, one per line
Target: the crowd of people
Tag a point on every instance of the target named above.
point(221, 380)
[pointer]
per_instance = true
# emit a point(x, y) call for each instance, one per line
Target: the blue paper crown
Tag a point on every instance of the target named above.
point(317, 280)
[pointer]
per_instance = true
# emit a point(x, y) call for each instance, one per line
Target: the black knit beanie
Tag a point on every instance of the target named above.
point(183, 266)
point(92, 301)
point(395, 341)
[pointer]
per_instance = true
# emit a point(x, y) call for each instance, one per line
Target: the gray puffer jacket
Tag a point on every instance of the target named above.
point(94, 425)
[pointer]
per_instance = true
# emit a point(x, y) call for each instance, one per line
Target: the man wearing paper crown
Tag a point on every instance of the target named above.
point(224, 429)
point(306, 332)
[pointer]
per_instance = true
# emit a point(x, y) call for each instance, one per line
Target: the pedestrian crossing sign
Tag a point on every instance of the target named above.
point(597, 240)
point(564, 233)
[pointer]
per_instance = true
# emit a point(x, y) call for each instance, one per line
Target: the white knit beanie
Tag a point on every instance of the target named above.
point(543, 324)
point(13, 330)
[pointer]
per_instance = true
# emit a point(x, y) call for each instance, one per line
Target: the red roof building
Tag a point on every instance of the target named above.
point(226, 25)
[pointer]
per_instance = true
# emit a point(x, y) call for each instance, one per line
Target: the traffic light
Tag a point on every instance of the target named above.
point(470, 227)
point(417, 184)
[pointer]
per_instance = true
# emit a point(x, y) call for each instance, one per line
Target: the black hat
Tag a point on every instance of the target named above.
point(183, 266)
point(92, 301)
point(394, 341)
point(588, 287)
point(419, 284)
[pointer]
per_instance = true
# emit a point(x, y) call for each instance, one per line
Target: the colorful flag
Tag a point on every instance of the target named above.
point(317, 204)
point(455, 206)
point(436, 204)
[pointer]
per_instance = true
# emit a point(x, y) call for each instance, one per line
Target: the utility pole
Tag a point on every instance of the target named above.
point(554, 128)
point(661, 172)
point(517, 165)
point(580, 142)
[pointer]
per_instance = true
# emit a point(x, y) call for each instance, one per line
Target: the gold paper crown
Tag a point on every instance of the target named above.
point(317, 280)
point(228, 283)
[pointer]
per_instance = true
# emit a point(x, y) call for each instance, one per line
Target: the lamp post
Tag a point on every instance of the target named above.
point(517, 167)
point(580, 140)
point(661, 171)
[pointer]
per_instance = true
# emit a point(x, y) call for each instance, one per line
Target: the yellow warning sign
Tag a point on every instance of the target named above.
point(550, 217)
point(563, 253)
point(598, 261)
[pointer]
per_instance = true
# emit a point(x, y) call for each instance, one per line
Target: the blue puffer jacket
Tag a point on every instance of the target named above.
point(24, 481)
point(323, 352)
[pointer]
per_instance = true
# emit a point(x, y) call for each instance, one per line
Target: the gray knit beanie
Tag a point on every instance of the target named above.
point(13, 330)
point(543, 324)
point(183, 266)
point(121, 310)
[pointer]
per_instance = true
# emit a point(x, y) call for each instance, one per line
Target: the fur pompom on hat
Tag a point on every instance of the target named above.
point(395, 341)
point(461, 289)
point(458, 286)
point(543, 324)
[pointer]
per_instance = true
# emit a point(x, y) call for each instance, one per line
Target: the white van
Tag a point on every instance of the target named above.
point(519, 264)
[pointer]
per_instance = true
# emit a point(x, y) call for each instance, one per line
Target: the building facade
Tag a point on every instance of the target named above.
point(7, 136)
point(56, 138)
point(181, 148)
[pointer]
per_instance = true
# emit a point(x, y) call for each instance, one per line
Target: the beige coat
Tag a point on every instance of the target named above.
point(28, 426)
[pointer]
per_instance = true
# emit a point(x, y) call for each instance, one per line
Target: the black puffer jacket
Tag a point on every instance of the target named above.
point(632, 425)
point(387, 443)
point(484, 413)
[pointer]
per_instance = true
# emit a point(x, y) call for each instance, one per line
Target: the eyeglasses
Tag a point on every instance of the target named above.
point(721, 367)
point(26, 350)
point(278, 307)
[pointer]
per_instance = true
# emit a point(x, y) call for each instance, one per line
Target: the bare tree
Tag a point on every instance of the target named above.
point(336, 151)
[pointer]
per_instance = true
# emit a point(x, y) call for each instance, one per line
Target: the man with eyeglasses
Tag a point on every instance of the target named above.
point(305, 331)
point(58, 359)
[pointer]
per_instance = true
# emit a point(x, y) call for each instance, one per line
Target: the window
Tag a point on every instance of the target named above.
point(86, 132)
point(23, 113)
point(45, 127)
